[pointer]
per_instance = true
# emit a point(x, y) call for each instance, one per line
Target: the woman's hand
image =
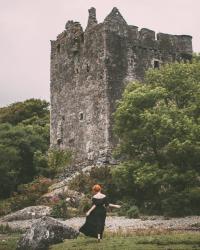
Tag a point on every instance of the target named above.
point(88, 213)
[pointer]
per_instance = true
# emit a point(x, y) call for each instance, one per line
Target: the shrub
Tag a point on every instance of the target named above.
point(182, 203)
point(58, 159)
point(128, 209)
point(157, 124)
point(133, 212)
point(27, 195)
point(101, 175)
point(81, 183)
point(5, 207)
point(60, 210)
point(84, 205)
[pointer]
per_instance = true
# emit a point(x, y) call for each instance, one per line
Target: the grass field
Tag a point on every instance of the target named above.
point(8, 241)
point(169, 241)
point(118, 241)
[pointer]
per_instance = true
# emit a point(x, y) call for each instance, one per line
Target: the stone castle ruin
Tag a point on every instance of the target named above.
point(89, 71)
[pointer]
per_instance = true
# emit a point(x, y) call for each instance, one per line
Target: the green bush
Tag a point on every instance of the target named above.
point(128, 209)
point(158, 127)
point(81, 183)
point(133, 212)
point(84, 205)
point(60, 210)
point(194, 197)
point(101, 175)
point(5, 207)
point(58, 160)
point(24, 140)
point(27, 195)
point(182, 203)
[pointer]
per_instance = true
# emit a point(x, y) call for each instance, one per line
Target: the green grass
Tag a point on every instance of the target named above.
point(170, 241)
point(8, 241)
point(143, 240)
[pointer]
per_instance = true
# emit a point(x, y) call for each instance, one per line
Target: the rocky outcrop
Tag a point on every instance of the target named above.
point(45, 232)
point(33, 212)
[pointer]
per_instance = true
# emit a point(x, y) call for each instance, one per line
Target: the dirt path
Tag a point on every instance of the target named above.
point(114, 223)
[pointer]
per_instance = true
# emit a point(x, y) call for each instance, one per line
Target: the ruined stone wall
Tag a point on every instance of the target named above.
point(79, 116)
point(89, 71)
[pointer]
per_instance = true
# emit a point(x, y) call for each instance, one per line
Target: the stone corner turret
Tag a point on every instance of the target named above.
point(92, 21)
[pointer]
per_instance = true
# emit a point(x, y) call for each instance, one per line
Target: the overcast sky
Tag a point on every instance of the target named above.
point(27, 26)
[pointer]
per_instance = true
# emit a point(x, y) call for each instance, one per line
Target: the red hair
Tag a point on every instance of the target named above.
point(96, 188)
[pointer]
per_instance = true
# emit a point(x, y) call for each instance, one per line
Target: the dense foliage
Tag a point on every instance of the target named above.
point(158, 125)
point(24, 138)
point(84, 181)
point(26, 195)
point(58, 159)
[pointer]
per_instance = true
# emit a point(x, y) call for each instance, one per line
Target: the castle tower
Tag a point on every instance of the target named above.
point(89, 71)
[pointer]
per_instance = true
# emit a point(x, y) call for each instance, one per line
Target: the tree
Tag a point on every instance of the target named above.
point(31, 111)
point(58, 160)
point(196, 56)
point(158, 125)
point(18, 145)
point(24, 134)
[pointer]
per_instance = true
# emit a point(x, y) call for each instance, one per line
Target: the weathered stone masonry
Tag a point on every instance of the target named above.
point(89, 71)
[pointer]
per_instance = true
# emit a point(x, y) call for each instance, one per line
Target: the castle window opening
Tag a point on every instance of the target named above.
point(156, 64)
point(81, 116)
point(88, 68)
point(59, 141)
point(58, 48)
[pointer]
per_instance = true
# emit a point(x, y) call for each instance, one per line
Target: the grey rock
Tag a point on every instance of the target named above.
point(45, 232)
point(32, 212)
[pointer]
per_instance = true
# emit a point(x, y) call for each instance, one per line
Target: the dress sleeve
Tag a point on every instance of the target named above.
point(93, 201)
point(106, 202)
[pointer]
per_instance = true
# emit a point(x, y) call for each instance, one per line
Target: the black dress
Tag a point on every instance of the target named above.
point(95, 221)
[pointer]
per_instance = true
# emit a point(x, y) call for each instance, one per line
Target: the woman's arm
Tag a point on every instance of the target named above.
point(90, 210)
point(114, 205)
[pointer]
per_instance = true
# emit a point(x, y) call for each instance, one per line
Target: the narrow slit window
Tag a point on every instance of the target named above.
point(59, 141)
point(81, 116)
point(156, 64)
point(58, 48)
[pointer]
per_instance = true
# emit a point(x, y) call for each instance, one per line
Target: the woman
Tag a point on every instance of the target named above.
point(96, 215)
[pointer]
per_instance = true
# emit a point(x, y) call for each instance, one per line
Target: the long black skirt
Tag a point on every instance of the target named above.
point(94, 223)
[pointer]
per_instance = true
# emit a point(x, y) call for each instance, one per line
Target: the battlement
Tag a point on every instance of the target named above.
point(89, 71)
point(143, 38)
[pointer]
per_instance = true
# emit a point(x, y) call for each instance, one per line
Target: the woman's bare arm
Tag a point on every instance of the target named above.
point(114, 205)
point(90, 210)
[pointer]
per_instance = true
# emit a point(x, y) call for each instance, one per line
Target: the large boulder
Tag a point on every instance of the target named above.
point(33, 212)
point(46, 231)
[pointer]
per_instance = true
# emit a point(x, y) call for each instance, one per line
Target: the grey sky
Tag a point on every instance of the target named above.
point(27, 26)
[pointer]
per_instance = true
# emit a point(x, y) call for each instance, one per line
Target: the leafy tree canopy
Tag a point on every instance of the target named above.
point(29, 111)
point(24, 134)
point(158, 125)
